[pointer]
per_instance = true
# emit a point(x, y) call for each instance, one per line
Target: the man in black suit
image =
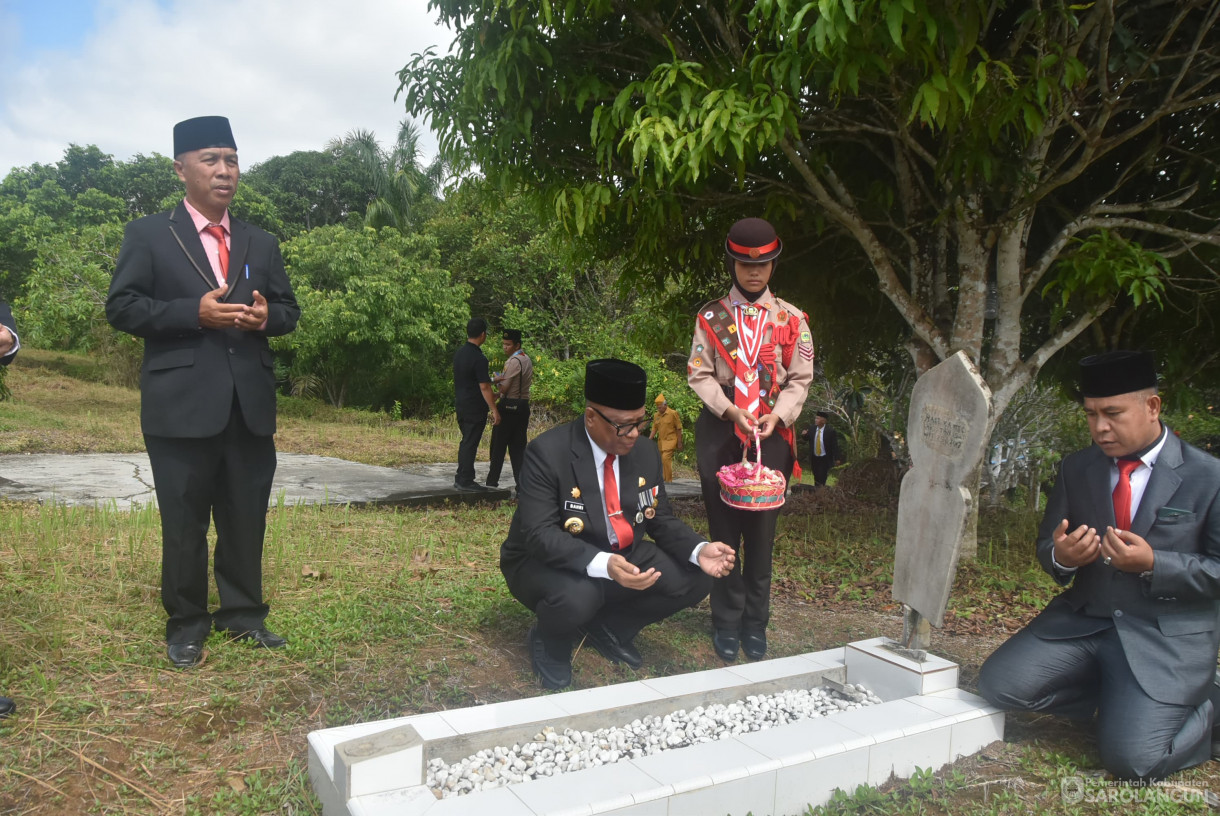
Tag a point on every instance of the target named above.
point(205, 291)
point(1132, 529)
point(9, 344)
point(577, 556)
point(473, 400)
point(823, 448)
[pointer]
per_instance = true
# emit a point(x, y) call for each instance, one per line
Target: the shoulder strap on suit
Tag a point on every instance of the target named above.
point(182, 228)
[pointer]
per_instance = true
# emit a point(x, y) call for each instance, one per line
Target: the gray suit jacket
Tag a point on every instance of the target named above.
point(190, 373)
point(1169, 627)
point(559, 482)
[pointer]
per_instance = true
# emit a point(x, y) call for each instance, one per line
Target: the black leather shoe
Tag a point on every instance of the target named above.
point(185, 655)
point(493, 485)
point(754, 644)
point(7, 706)
point(608, 644)
point(260, 637)
point(726, 644)
point(552, 672)
point(473, 487)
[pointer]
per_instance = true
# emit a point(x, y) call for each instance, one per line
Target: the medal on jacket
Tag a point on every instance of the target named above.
point(574, 526)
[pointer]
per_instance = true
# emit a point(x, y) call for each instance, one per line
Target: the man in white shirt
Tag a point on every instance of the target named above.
point(578, 554)
point(1132, 529)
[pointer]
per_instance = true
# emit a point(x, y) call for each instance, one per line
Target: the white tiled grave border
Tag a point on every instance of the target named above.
point(925, 721)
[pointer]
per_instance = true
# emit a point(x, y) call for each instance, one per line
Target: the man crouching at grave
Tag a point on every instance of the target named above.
point(1133, 530)
point(576, 553)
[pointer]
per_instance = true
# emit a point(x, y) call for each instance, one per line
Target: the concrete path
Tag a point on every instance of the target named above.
point(125, 479)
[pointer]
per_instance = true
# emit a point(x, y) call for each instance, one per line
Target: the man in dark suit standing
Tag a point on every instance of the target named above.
point(576, 553)
point(823, 448)
point(9, 344)
point(473, 400)
point(205, 291)
point(1132, 529)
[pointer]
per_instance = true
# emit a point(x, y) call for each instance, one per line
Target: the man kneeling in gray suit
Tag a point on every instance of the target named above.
point(1132, 529)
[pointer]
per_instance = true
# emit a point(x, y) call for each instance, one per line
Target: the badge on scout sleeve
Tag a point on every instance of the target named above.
point(806, 337)
point(709, 314)
point(576, 492)
point(574, 526)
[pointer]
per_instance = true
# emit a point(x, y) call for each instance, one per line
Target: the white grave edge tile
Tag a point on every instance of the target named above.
point(383, 773)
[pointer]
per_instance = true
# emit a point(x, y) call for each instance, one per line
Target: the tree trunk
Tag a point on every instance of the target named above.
point(970, 530)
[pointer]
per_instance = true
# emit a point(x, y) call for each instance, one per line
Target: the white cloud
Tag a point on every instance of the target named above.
point(289, 74)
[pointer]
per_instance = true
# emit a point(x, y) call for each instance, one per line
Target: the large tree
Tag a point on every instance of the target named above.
point(1053, 155)
point(403, 187)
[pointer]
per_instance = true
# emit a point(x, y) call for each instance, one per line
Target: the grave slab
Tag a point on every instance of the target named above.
point(924, 722)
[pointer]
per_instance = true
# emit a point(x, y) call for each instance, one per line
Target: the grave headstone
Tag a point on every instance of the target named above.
point(946, 433)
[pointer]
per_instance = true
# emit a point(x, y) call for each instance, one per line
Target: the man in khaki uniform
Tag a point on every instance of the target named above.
point(667, 430)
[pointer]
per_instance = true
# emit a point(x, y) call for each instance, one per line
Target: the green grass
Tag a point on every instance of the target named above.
point(393, 612)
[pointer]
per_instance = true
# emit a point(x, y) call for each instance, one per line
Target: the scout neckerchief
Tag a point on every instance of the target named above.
point(751, 325)
point(739, 337)
point(753, 384)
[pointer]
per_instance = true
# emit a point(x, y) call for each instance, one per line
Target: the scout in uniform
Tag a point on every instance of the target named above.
point(667, 431)
point(751, 364)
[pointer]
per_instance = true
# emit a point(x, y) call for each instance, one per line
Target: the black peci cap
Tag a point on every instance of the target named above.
point(1117, 372)
point(513, 335)
point(615, 384)
point(201, 132)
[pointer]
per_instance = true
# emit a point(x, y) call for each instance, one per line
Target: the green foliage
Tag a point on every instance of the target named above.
point(403, 189)
point(63, 305)
point(377, 315)
point(1104, 265)
point(64, 302)
point(311, 188)
point(562, 382)
point(910, 152)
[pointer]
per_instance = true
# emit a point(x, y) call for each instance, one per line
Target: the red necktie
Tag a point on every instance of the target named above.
point(222, 249)
point(1122, 493)
point(622, 530)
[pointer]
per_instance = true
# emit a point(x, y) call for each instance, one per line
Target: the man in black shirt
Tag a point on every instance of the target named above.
point(473, 400)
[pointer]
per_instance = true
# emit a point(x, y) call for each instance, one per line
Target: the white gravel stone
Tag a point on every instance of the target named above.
point(553, 752)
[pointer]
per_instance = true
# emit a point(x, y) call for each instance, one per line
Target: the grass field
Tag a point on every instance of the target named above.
point(392, 612)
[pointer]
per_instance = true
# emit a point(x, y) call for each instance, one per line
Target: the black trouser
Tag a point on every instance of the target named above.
point(471, 426)
point(509, 435)
point(226, 477)
point(741, 601)
point(564, 601)
point(820, 465)
point(1138, 737)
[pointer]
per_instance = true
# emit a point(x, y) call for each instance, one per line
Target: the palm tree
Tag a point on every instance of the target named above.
point(400, 182)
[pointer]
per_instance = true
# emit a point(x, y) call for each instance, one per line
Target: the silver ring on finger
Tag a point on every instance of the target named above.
point(1107, 560)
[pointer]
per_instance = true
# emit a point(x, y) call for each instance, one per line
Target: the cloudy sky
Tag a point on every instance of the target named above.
point(290, 74)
